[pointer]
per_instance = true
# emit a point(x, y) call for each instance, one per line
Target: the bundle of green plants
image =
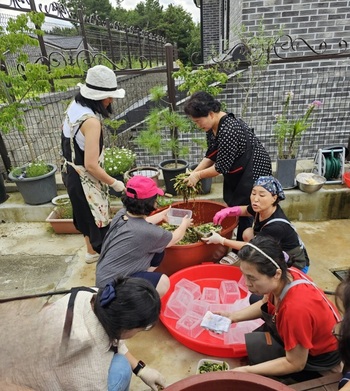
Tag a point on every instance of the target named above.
point(193, 234)
point(164, 201)
point(190, 235)
point(182, 189)
point(32, 170)
point(64, 211)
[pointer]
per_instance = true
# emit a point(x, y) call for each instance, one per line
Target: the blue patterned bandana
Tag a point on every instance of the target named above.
point(272, 185)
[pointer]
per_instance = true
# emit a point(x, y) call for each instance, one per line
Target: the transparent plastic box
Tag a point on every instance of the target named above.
point(229, 291)
point(211, 295)
point(239, 305)
point(177, 303)
point(194, 288)
point(176, 215)
point(190, 325)
point(242, 284)
point(236, 332)
point(220, 308)
point(199, 307)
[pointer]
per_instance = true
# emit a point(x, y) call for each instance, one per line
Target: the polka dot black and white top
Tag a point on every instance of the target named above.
point(231, 142)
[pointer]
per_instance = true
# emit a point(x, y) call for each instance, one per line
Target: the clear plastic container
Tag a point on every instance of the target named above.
point(220, 308)
point(177, 303)
point(229, 291)
point(236, 332)
point(199, 307)
point(211, 295)
point(194, 288)
point(242, 284)
point(176, 215)
point(190, 325)
point(234, 335)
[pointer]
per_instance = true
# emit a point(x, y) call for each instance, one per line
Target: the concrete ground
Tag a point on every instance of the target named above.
point(33, 259)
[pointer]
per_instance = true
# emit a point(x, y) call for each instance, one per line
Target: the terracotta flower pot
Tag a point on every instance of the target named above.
point(178, 257)
point(61, 226)
point(227, 381)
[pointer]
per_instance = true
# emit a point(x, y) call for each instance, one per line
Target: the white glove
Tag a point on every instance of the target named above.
point(214, 238)
point(152, 378)
point(117, 186)
point(192, 179)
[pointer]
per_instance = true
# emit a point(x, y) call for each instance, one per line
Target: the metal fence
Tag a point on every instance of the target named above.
point(309, 78)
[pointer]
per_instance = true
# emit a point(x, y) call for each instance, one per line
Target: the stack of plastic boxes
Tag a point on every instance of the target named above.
point(188, 305)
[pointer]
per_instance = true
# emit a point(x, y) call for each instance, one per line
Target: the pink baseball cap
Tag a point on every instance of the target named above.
point(141, 187)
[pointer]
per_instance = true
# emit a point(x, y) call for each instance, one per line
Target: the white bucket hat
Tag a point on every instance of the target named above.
point(100, 83)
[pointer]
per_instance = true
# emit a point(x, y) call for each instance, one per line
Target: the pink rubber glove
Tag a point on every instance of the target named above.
point(226, 212)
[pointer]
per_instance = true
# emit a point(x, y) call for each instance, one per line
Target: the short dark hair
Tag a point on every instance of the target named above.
point(139, 207)
point(136, 305)
point(95, 105)
point(270, 247)
point(201, 104)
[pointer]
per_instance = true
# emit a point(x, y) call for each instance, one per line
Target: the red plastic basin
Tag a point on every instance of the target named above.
point(208, 275)
point(182, 256)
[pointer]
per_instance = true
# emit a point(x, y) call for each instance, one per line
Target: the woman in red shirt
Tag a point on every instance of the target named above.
point(297, 314)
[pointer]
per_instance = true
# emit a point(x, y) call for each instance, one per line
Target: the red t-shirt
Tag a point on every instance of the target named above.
point(304, 317)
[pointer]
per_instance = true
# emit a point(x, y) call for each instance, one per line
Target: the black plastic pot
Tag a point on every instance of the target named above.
point(285, 172)
point(170, 171)
point(3, 195)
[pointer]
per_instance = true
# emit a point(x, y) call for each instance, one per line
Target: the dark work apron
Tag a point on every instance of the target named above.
point(238, 182)
point(268, 345)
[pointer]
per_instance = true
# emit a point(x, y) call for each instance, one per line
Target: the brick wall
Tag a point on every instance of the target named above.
point(314, 21)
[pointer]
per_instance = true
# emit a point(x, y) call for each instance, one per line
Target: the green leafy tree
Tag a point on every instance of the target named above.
point(160, 119)
point(177, 28)
point(256, 49)
point(20, 91)
point(102, 7)
point(150, 15)
point(63, 31)
point(208, 79)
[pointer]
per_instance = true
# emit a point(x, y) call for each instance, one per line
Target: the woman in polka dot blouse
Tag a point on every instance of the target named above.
point(233, 151)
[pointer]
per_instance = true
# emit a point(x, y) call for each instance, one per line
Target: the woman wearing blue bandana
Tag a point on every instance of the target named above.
point(269, 219)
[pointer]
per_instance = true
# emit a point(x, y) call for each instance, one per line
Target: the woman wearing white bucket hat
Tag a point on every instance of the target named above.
point(82, 146)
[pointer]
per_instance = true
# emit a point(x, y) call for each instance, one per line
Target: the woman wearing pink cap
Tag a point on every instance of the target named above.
point(134, 244)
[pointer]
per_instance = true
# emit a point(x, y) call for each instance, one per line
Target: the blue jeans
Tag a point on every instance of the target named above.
point(119, 374)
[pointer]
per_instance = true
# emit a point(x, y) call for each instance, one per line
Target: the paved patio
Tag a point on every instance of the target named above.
point(33, 260)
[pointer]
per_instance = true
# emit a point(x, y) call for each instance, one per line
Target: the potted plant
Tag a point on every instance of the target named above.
point(61, 218)
point(20, 93)
point(155, 138)
point(117, 161)
point(288, 132)
point(35, 181)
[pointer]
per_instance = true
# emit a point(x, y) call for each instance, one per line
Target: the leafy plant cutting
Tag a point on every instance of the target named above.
point(288, 131)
